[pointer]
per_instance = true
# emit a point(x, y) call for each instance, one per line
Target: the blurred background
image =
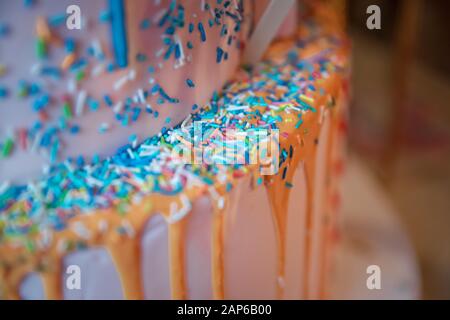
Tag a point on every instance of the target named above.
point(400, 121)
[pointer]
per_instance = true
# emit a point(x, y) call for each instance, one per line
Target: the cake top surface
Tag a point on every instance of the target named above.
point(68, 94)
point(277, 94)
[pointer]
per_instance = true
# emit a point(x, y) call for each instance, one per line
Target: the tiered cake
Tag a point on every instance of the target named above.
point(225, 197)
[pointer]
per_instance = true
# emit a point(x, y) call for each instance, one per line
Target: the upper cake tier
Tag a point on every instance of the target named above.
point(132, 70)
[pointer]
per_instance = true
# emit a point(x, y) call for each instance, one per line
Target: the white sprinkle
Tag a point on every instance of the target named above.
point(81, 230)
point(72, 86)
point(159, 53)
point(97, 47)
point(118, 107)
point(128, 228)
point(132, 75)
point(36, 69)
point(98, 69)
point(62, 246)
point(120, 83)
point(102, 226)
point(159, 15)
point(81, 100)
point(177, 215)
point(236, 108)
point(141, 95)
point(4, 186)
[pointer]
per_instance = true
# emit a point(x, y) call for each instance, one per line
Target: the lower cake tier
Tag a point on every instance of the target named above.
point(250, 249)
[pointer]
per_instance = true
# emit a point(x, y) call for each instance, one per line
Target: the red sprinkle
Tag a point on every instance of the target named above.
point(23, 138)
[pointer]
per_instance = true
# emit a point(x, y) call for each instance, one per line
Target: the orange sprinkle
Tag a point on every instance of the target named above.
point(68, 61)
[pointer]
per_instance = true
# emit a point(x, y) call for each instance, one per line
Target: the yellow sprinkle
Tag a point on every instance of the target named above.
point(2, 70)
point(42, 29)
point(68, 61)
point(307, 99)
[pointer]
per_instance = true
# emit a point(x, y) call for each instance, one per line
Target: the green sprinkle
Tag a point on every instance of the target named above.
point(41, 48)
point(67, 111)
point(7, 147)
point(80, 76)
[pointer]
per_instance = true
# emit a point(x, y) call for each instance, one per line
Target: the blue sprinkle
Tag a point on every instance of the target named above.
point(69, 45)
point(108, 100)
point(191, 27)
point(93, 104)
point(132, 138)
point(145, 24)
point(119, 34)
point(141, 57)
point(202, 32)
point(190, 45)
point(136, 113)
point(3, 92)
point(177, 51)
point(28, 3)
point(220, 53)
point(57, 20)
point(104, 16)
point(4, 29)
point(190, 83)
point(75, 129)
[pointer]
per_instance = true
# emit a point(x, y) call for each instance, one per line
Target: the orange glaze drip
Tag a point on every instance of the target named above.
point(177, 259)
point(217, 238)
point(126, 256)
point(53, 280)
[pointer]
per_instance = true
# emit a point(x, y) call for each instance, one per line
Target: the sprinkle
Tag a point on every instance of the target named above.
point(81, 100)
point(7, 147)
point(190, 83)
point(69, 45)
point(67, 111)
point(307, 99)
point(2, 70)
point(202, 32)
point(219, 54)
point(3, 92)
point(118, 107)
point(4, 30)
point(119, 33)
point(57, 20)
point(68, 61)
point(104, 127)
point(41, 48)
point(43, 30)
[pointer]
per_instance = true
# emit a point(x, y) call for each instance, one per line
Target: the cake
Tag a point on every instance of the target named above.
point(177, 214)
